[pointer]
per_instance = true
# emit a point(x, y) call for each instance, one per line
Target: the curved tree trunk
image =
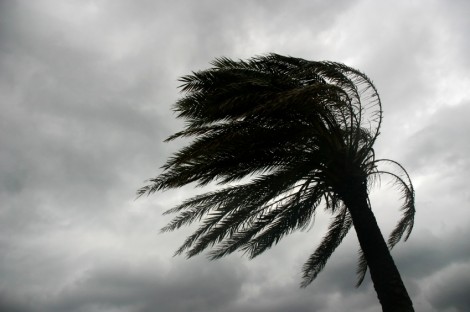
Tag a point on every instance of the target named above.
point(387, 281)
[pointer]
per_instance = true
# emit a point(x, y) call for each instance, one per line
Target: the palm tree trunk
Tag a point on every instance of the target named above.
point(387, 281)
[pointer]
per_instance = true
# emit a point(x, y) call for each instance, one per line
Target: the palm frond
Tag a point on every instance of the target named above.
point(275, 217)
point(361, 268)
point(288, 217)
point(230, 208)
point(403, 181)
point(336, 232)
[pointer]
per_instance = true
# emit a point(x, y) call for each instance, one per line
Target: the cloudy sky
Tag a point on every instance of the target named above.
point(86, 89)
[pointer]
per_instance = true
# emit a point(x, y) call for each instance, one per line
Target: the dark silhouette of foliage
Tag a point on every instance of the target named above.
point(303, 132)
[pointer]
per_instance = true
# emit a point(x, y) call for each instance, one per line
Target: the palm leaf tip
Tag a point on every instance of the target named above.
point(361, 269)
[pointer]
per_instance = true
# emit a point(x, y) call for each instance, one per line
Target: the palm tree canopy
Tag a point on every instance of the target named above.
point(301, 131)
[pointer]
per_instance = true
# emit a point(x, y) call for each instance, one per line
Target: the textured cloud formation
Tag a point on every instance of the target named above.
point(86, 89)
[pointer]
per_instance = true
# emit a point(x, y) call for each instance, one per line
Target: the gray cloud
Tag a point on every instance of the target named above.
point(85, 93)
point(450, 289)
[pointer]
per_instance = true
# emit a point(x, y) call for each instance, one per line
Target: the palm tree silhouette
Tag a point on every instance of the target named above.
point(303, 133)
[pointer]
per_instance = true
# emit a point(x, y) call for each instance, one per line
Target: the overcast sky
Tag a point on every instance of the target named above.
point(86, 89)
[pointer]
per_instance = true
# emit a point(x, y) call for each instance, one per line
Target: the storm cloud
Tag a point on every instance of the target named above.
point(86, 89)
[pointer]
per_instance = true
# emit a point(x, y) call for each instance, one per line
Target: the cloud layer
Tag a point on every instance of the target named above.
point(86, 89)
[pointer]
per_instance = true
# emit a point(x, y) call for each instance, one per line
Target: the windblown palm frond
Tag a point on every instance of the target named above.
point(403, 182)
point(336, 232)
point(298, 129)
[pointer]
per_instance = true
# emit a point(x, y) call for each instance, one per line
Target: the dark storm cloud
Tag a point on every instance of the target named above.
point(425, 256)
point(442, 141)
point(125, 287)
point(69, 121)
point(86, 89)
point(451, 289)
point(122, 286)
point(66, 119)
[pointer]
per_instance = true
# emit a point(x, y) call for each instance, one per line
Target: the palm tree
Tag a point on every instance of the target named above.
point(285, 136)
